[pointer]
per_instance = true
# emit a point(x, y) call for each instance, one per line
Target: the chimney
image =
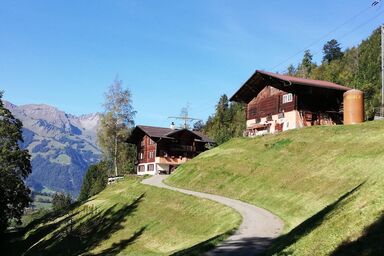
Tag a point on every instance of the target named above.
point(172, 126)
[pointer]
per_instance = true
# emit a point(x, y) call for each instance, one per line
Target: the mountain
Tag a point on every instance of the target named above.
point(62, 146)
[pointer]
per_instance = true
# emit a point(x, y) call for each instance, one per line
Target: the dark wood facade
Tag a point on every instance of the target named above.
point(146, 150)
point(269, 102)
point(166, 147)
point(267, 94)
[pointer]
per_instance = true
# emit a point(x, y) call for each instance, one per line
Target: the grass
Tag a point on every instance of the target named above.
point(326, 183)
point(128, 218)
point(61, 159)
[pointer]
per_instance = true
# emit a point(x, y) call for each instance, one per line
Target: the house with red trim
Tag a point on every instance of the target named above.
point(277, 102)
point(161, 150)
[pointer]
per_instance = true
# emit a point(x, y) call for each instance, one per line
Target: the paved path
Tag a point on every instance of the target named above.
point(256, 232)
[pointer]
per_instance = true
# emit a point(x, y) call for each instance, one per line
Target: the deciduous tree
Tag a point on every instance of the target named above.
point(115, 125)
point(61, 201)
point(95, 180)
point(15, 167)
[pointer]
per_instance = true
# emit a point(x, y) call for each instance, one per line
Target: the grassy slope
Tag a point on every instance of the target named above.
point(129, 218)
point(297, 174)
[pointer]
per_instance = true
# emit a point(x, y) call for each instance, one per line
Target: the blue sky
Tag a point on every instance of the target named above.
point(168, 53)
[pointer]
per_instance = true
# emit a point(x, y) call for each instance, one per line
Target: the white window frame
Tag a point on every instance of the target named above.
point(141, 156)
point(287, 98)
point(151, 154)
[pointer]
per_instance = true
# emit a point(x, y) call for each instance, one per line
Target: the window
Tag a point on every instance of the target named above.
point(141, 156)
point(151, 154)
point(142, 142)
point(151, 142)
point(287, 98)
point(141, 168)
point(150, 167)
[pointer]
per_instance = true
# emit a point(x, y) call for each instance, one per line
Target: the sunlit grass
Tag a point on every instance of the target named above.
point(129, 218)
point(296, 174)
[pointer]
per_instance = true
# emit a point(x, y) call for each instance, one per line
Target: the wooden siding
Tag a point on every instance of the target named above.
point(184, 146)
point(145, 147)
point(269, 102)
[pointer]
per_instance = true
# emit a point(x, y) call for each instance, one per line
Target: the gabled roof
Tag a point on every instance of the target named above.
point(164, 133)
point(260, 79)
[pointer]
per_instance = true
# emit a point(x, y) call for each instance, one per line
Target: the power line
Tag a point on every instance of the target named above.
point(356, 28)
point(322, 37)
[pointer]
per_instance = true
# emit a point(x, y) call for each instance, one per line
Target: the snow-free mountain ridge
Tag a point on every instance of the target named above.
point(62, 145)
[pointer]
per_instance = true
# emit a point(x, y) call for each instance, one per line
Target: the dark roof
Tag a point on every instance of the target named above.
point(157, 132)
point(165, 133)
point(260, 79)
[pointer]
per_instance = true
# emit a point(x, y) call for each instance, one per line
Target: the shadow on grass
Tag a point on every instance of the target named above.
point(204, 246)
point(13, 242)
point(82, 238)
point(307, 226)
point(370, 243)
point(120, 246)
point(76, 233)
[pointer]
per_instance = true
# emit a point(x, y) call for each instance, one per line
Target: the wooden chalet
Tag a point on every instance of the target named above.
point(161, 150)
point(279, 102)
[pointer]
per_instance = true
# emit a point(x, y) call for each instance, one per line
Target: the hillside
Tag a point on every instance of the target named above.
point(326, 183)
point(128, 218)
point(62, 146)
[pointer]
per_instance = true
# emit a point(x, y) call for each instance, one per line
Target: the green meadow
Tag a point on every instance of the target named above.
point(127, 218)
point(326, 183)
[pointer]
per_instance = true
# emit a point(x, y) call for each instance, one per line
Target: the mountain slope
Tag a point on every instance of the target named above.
point(127, 218)
point(62, 145)
point(327, 183)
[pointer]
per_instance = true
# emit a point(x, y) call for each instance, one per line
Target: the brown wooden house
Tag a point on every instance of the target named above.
point(161, 150)
point(279, 102)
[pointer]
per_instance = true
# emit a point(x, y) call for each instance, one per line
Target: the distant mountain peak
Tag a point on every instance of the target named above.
point(62, 145)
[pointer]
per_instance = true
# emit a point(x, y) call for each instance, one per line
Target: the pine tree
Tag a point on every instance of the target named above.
point(227, 122)
point(332, 51)
point(15, 167)
point(95, 180)
point(307, 65)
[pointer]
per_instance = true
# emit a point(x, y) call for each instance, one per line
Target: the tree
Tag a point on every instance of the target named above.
point(115, 125)
point(95, 180)
point(291, 70)
point(61, 201)
point(15, 167)
point(198, 126)
point(358, 67)
point(227, 122)
point(306, 66)
point(332, 51)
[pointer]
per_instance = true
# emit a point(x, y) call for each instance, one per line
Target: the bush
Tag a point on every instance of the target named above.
point(61, 201)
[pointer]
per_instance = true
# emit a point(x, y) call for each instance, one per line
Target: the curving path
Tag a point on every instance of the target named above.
point(256, 232)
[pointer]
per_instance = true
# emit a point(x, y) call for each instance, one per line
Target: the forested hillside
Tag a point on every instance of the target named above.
point(357, 67)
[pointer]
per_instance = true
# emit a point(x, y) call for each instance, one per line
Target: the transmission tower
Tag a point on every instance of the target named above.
point(185, 117)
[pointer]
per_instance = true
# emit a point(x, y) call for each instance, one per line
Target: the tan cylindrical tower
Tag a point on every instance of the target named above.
point(353, 107)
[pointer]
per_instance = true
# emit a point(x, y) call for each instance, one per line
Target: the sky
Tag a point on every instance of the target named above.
point(170, 54)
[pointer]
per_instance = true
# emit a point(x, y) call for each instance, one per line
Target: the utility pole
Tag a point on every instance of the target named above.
point(185, 119)
point(382, 71)
point(184, 116)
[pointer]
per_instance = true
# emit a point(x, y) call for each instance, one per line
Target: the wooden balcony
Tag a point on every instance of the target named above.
point(171, 160)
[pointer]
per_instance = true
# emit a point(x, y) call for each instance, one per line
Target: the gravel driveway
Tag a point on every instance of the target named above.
point(256, 232)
